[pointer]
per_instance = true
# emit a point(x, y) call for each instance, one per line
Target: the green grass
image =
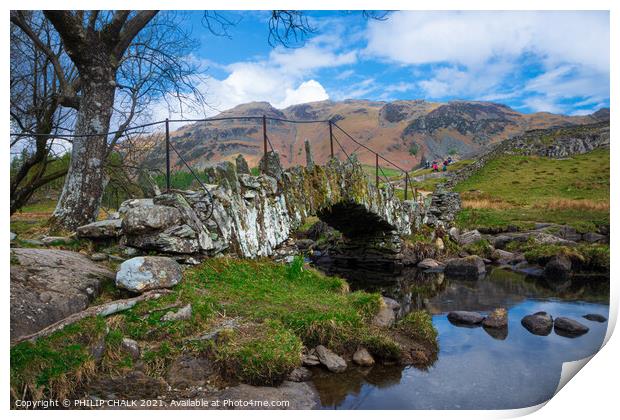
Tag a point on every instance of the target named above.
point(279, 308)
point(384, 171)
point(585, 257)
point(418, 325)
point(521, 190)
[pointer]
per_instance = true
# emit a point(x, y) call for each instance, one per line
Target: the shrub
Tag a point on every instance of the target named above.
point(418, 325)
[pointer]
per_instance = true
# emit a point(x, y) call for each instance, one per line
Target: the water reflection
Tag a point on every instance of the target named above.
point(477, 368)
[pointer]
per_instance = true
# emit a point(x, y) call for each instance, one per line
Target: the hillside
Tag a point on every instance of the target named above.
point(555, 175)
point(405, 132)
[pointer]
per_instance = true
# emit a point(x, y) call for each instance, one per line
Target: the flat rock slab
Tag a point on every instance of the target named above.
point(49, 285)
point(567, 327)
point(298, 395)
point(102, 229)
point(465, 318)
point(540, 323)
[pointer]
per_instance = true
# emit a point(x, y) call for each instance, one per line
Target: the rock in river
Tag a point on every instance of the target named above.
point(331, 360)
point(496, 319)
point(428, 263)
point(300, 374)
point(465, 318)
point(363, 358)
point(140, 274)
point(539, 323)
point(472, 266)
point(558, 268)
point(567, 327)
point(595, 317)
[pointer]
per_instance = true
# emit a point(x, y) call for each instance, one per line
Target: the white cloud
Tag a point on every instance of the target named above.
point(478, 54)
point(283, 79)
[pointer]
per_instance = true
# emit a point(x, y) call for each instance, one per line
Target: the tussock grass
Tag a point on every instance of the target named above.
point(484, 203)
point(564, 203)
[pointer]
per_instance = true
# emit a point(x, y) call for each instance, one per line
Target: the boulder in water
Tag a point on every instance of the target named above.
point(567, 327)
point(331, 360)
point(465, 318)
point(539, 323)
point(595, 317)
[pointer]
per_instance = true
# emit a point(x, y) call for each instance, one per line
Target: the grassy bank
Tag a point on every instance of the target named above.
point(521, 190)
point(276, 309)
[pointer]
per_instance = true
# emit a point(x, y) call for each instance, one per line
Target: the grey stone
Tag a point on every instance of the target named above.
point(465, 318)
point(140, 274)
point(99, 256)
point(270, 165)
point(454, 234)
point(363, 358)
point(148, 218)
point(594, 237)
point(300, 374)
point(595, 317)
point(384, 318)
point(182, 314)
point(300, 396)
point(102, 229)
point(567, 327)
point(428, 263)
point(471, 266)
point(56, 240)
point(331, 360)
point(188, 371)
point(310, 360)
point(309, 156)
point(242, 165)
point(49, 285)
point(558, 268)
point(539, 323)
point(504, 257)
point(469, 237)
point(496, 319)
point(13, 236)
point(131, 347)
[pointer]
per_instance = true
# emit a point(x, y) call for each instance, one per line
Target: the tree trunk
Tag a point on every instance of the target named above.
point(85, 181)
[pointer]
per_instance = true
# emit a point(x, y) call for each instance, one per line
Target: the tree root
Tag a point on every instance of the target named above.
point(105, 309)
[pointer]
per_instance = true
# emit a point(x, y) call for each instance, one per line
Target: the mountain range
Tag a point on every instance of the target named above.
point(405, 131)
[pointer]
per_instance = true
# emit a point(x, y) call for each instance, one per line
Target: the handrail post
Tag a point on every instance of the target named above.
point(377, 170)
point(265, 137)
point(331, 139)
point(167, 156)
point(406, 184)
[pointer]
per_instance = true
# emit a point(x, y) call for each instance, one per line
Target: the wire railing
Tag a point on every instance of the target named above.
point(334, 130)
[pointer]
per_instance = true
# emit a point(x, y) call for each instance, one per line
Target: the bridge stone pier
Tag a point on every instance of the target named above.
point(251, 216)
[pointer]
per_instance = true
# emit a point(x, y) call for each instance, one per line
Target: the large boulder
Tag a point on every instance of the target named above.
point(48, 285)
point(539, 323)
point(567, 327)
point(330, 360)
point(102, 229)
point(140, 274)
point(558, 268)
point(471, 266)
point(465, 318)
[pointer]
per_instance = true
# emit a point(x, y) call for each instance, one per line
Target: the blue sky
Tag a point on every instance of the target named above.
point(554, 61)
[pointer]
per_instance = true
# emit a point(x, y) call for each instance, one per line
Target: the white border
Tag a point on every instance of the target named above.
point(592, 395)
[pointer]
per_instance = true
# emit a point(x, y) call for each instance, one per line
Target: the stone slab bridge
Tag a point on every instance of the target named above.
point(252, 216)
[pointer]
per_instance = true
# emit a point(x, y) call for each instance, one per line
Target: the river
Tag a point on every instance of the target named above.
point(474, 369)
